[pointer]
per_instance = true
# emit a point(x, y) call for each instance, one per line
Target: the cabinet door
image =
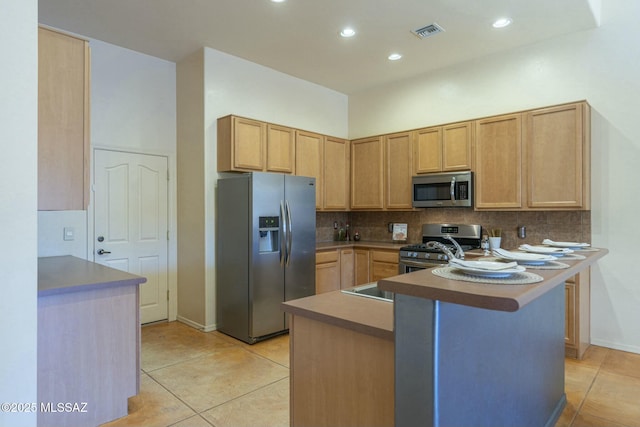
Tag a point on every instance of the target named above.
point(367, 173)
point(428, 150)
point(557, 157)
point(361, 268)
point(346, 268)
point(327, 271)
point(280, 149)
point(309, 148)
point(336, 174)
point(570, 314)
point(383, 264)
point(246, 143)
point(456, 146)
point(498, 163)
point(63, 114)
point(398, 171)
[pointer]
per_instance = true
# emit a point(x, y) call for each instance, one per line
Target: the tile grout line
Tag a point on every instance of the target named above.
point(579, 408)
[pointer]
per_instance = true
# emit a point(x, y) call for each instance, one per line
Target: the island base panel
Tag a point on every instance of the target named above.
point(467, 366)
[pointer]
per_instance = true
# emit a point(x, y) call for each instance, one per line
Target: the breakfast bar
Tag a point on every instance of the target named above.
point(469, 353)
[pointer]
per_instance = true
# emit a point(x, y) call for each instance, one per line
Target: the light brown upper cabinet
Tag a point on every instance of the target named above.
point(367, 173)
point(443, 148)
point(557, 153)
point(63, 121)
point(280, 149)
point(309, 156)
point(398, 170)
point(247, 145)
point(498, 164)
point(336, 182)
point(535, 160)
point(241, 144)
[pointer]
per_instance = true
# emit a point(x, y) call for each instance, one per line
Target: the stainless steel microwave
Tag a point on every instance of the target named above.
point(443, 190)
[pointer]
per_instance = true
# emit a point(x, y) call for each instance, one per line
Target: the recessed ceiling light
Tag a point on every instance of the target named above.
point(278, 1)
point(394, 57)
point(501, 23)
point(348, 32)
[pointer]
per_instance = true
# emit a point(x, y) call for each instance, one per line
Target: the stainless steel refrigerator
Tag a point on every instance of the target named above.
point(265, 251)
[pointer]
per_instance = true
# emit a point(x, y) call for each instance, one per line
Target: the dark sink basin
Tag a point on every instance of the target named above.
point(370, 290)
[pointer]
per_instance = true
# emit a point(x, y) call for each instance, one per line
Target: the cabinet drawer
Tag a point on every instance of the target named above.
point(326, 256)
point(385, 256)
point(382, 270)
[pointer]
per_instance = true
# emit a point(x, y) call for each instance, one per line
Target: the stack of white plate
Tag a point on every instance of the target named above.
point(491, 269)
point(523, 258)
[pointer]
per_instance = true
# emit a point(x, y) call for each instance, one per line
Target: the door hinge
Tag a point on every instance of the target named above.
point(167, 294)
point(167, 174)
point(167, 234)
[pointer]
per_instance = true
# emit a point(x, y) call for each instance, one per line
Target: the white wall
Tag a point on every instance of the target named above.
point(236, 86)
point(601, 66)
point(18, 204)
point(133, 109)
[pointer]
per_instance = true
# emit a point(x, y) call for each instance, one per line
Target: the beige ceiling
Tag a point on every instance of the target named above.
point(300, 37)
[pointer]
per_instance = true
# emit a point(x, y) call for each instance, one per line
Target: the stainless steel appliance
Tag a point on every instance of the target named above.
point(421, 256)
point(451, 189)
point(265, 251)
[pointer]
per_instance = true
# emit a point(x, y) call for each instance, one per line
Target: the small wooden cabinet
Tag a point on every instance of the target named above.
point(557, 154)
point(443, 148)
point(246, 145)
point(347, 263)
point(498, 163)
point(398, 170)
point(309, 160)
point(241, 144)
point(334, 269)
point(327, 271)
point(367, 173)
point(383, 264)
point(336, 174)
point(280, 149)
point(63, 121)
point(577, 314)
point(361, 267)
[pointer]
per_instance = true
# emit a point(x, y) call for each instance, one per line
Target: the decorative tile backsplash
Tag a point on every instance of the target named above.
point(573, 226)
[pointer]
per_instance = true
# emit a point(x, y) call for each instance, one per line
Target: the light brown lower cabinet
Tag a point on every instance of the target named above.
point(339, 376)
point(334, 270)
point(577, 312)
point(327, 271)
point(384, 263)
point(361, 267)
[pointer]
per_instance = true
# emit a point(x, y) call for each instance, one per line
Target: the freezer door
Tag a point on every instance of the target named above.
point(266, 286)
point(300, 195)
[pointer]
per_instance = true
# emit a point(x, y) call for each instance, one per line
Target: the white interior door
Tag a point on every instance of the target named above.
point(131, 224)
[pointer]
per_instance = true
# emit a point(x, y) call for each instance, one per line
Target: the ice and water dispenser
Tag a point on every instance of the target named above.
point(268, 233)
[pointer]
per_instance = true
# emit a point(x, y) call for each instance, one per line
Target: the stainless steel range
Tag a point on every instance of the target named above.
point(421, 256)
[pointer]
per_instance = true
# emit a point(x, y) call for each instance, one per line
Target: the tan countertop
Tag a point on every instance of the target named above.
point(62, 274)
point(365, 315)
point(369, 244)
point(425, 284)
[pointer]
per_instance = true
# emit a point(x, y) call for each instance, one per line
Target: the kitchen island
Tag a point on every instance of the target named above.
point(464, 353)
point(478, 354)
point(88, 341)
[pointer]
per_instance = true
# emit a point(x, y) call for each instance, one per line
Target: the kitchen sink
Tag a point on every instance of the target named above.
point(370, 290)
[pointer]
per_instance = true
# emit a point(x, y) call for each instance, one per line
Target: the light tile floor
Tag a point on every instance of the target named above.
point(196, 379)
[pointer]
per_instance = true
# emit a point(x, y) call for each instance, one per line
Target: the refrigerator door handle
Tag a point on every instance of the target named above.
point(289, 233)
point(283, 234)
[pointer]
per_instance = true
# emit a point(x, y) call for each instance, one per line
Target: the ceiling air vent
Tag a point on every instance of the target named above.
point(428, 31)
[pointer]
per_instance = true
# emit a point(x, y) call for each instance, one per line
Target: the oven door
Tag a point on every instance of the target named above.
point(408, 266)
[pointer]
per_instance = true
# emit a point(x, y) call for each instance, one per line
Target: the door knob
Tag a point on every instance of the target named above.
point(102, 252)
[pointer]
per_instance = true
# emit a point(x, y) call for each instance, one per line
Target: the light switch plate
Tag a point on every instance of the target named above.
point(69, 233)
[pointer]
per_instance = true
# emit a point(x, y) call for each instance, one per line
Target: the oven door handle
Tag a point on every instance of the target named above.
point(452, 190)
point(419, 264)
